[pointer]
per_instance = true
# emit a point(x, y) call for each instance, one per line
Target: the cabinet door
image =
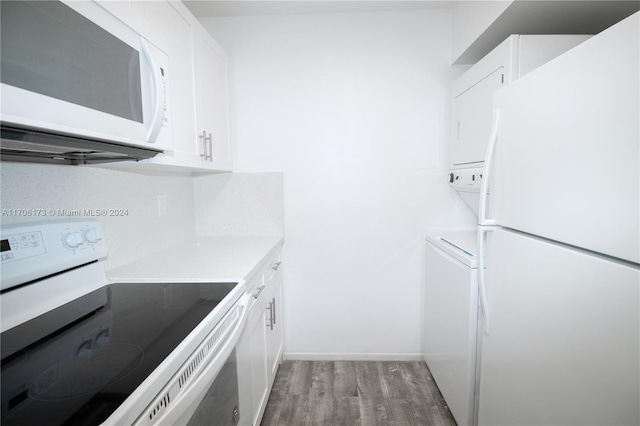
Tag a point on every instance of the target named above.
point(179, 36)
point(129, 12)
point(472, 120)
point(212, 111)
point(197, 87)
point(258, 360)
point(274, 328)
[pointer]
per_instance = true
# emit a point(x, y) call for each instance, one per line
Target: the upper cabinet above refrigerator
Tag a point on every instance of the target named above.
point(473, 91)
point(479, 26)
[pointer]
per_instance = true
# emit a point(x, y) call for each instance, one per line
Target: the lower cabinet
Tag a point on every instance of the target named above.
point(260, 346)
point(274, 329)
point(257, 338)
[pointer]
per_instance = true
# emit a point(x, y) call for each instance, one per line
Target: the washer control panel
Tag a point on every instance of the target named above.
point(466, 180)
point(29, 251)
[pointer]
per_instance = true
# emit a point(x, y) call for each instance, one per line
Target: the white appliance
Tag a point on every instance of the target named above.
point(561, 289)
point(451, 318)
point(76, 79)
point(451, 309)
point(78, 349)
point(472, 106)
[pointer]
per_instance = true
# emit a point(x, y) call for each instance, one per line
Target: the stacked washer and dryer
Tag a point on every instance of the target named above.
point(451, 293)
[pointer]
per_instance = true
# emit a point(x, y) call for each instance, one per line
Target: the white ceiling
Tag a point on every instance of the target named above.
point(213, 8)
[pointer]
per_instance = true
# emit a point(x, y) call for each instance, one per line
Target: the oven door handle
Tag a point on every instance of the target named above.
point(177, 403)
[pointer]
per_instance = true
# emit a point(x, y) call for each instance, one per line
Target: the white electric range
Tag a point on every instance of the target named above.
point(78, 349)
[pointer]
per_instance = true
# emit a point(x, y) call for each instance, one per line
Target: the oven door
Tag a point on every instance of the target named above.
point(74, 69)
point(220, 405)
point(205, 388)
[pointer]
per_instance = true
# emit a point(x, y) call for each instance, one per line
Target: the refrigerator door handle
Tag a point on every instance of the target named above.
point(484, 186)
point(482, 288)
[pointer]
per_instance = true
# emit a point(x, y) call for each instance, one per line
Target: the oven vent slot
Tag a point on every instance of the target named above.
point(199, 359)
point(217, 334)
point(211, 342)
point(193, 366)
point(164, 402)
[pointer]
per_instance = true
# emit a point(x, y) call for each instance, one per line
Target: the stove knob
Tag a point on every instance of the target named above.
point(73, 240)
point(92, 235)
point(451, 175)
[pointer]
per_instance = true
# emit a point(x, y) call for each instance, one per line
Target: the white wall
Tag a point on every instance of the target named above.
point(354, 109)
point(138, 233)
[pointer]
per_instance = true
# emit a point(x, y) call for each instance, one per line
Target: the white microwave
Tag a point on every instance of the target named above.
point(72, 69)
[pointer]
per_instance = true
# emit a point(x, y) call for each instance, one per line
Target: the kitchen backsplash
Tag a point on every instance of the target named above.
point(239, 204)
point(132, 225)
point(143, 212)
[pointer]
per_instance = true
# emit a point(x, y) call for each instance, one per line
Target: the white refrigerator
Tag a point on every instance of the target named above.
point(559, 241)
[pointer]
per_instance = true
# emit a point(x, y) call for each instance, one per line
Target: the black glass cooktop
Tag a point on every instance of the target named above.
point(76, 364)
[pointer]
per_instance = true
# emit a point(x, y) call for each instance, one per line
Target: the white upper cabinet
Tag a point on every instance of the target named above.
point(211, 100)
point(197, 88)
point(479, 26)
point(128, 11)
point(179, 36)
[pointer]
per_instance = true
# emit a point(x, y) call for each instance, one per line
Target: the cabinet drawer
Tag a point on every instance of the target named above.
point(258, 290)
point(273, 267)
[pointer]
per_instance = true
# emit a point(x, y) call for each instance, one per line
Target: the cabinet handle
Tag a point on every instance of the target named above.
point(210, 143)
point(207, 145)
point(257, 293)
point(274, 309)
point(271, 321)
point(203, 138)
point(458, 131)
point(276, 266)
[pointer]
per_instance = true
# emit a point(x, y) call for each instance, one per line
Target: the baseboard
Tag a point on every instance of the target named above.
point(322, 356)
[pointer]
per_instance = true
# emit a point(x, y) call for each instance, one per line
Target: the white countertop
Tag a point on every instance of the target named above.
point(202, 259)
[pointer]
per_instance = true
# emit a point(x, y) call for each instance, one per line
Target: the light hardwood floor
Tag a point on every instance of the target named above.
point(349, 393)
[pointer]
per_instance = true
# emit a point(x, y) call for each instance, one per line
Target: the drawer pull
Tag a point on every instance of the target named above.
point(276, 265)
point(257, 293)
